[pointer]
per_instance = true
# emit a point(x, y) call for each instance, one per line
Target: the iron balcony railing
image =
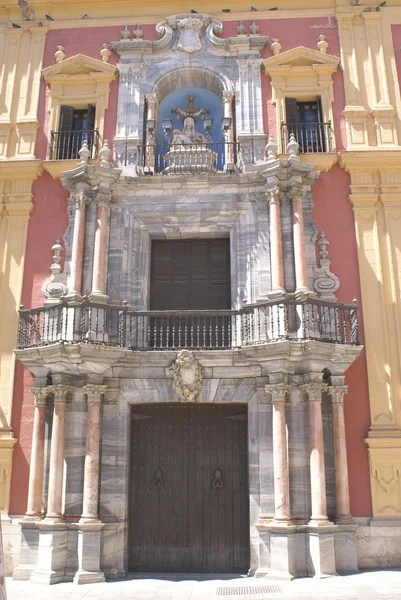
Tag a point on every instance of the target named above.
point(184, 159)
point(311, 137)
point(67, 144)
point(207, 329)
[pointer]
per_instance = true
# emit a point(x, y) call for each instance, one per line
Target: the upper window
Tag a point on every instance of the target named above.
point(305, 120)
point(75, 126)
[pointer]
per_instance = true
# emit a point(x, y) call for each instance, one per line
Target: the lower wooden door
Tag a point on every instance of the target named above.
point(189, 507)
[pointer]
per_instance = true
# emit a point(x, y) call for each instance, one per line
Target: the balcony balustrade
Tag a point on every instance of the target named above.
point(311, 137)
point(264, 323)
point(65, 145)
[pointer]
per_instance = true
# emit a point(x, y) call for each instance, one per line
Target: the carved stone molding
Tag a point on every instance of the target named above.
point(274, 195)
point(337, 393)
point(313, 391)
point(80, 200)
point(40, 395)
point(103, 200)
point(61, 393)
point(187, 374)
point(93, 392)
point(278, 391)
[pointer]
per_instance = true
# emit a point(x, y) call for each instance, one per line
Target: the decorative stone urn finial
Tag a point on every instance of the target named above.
point(275, 46)
point(322, 45)
point(105, 53)
point(138, 33)
point(55, 287)
point(254, 28)
point(60, 54)
point(241, 29)
point(271, 148)
point(293, 146)
point(84, 153)
point(326, 283)
point(105, 155)
point(125, 34)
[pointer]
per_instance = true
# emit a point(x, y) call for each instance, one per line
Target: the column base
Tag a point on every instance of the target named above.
point(97, 296)
point(52, 553)
point(346, 550)
point(29, 551)
point(89, 535)
point(321, 559)
point(82, 577)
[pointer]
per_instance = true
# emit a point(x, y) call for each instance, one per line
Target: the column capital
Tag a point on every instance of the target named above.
point(80, 200)
point(94, 392)
point(274, 195)
point(337, 393)
point(297, 194)
point(313, 391)
point(103, 200)
point(228, 95)
point(61, 392)
point(151, 98)
point(278, 391)
point(40, 395)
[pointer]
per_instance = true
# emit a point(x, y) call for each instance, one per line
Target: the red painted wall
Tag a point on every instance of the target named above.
point(333, 215)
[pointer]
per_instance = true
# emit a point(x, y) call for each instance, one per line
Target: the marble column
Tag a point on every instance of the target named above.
point(343, 510)
point(282, 512)
point(301, 275)
point(317, 466)
point(56, 468)
point(89, 531)
point(244, 125)
point(151, 100)
point(35, 487)
point(91, 470)
point(276, 241)
point(74, 283)
point(228, 98)
point(99, 253)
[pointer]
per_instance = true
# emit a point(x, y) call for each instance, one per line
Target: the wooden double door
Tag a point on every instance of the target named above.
point(189, 507)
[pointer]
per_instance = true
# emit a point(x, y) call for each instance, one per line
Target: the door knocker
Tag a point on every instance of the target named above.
point(159, 479)
point(217, 481)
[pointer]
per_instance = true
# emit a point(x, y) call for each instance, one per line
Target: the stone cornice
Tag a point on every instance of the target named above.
point(301, 59)
point(20, 170)
point(79, 65)
point(367, 160)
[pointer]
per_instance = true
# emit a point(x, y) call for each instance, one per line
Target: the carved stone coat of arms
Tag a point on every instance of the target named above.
point(189, 34)
point(187, 375)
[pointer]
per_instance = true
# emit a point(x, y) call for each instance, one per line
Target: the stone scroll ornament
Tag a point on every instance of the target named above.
point(189, 34)
point(187, 374)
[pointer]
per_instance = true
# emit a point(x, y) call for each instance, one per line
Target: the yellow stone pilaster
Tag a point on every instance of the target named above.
point(16, 178)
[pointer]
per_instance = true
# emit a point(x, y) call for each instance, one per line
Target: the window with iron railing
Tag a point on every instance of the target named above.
point(75, 126)
point(304, 120)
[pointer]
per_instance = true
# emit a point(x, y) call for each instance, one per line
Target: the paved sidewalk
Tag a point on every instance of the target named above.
point(373, 585)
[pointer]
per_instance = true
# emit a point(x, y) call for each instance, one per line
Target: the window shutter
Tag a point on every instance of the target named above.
point(291, 113)
point(91, 116)
point(66, 118)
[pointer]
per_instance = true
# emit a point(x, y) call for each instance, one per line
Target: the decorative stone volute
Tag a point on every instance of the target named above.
point(105, 53)
point(187, 375)
point(61, 392)
point(326, 283)
point(105, 155)
point(60, 54)
point(313, 391)
point(93, 392)
point(40, 395)
point(322, 45)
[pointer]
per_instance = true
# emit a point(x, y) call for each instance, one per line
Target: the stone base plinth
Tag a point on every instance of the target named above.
point(29, 551)
point(52, 554)
point(321, 551)
point(89, 553)
point(284, 542)
point(346, 550)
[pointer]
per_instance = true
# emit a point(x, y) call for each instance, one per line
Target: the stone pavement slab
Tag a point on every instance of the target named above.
point(371, 585)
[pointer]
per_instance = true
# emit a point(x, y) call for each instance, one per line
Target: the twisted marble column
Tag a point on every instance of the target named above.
point(314, 391)
point(282, 512)
point(35, 486)
point(301, 275)
point(56, 469)
point(92, 450)
point(276, 242)
point(343, 509)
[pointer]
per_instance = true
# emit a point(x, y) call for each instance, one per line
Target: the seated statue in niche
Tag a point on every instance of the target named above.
point(188, 135)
